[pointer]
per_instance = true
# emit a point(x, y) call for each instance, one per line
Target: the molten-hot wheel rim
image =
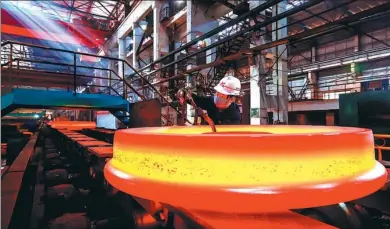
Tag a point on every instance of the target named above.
point(276, 167)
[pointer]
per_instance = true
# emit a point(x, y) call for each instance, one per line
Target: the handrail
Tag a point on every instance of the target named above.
point(84, 76)
point(382, 147)
point(69, 65)
point(296, 70)
point(154, 89)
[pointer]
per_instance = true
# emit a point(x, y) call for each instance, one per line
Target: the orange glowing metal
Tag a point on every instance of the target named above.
point(93, 143)
point(277, 167)
point(75, 135)
point(73, 125)
point(67, 131)
point(82, 138)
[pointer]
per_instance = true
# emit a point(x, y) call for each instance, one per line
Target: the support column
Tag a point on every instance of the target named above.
point(313, 54)
point(190, 111)
point(137, 36)
point(356, 42)
point(312, 77)
point(121, 55)
point(279, 76)
point(258, 95)
point(111, 66)
point(211, 53)
point(330, 118)
point(160, 38)
point(161, 45)
point(197, 22)
point(302, 119)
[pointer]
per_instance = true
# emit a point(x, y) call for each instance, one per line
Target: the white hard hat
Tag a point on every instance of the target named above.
point(229, 85)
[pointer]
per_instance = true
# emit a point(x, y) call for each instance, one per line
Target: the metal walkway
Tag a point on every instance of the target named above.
point(31, 98)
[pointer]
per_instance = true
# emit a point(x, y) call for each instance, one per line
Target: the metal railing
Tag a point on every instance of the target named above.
point(354, 57)
point(323, 91)
point(379, 149)
point(68, 63)
point(383, 146)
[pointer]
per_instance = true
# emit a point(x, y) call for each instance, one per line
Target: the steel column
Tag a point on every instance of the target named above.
point(74, 73)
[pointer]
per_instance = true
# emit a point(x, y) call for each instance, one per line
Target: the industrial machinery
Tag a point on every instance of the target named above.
point(370, 109)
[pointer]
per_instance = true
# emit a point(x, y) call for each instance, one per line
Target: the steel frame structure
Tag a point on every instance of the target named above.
point(330, 27)
point(344, 22)
point(110, 12)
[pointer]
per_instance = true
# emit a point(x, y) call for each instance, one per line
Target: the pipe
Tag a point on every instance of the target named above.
point(258, 25)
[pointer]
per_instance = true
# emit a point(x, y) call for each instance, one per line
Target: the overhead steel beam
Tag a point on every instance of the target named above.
point(108, 12)
point(114, 9)
point(342, 23)
point(325, 29)
point(81, 5)
point(80, 11)
point(220, 42)
point(228, 24)
point(358, 30)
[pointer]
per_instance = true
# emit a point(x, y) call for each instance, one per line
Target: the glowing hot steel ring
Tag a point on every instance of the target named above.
point(284, 167)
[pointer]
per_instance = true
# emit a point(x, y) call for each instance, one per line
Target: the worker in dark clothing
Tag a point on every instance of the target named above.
point(221, 107)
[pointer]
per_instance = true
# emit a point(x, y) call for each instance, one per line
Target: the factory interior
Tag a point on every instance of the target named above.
point(196, 114)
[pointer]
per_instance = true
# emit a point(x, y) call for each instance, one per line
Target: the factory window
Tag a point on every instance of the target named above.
point(128, 44)
point(331, 86)
point(300, 59)
point(382, 36)
point(294, 3)
point(336, 49)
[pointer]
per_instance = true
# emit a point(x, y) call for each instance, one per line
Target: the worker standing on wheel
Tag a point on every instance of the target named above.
point(221, 107)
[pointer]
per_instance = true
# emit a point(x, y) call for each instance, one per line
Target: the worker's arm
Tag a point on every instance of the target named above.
point(200, 101)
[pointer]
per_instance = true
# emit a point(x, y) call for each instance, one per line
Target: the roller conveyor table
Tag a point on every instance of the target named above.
point(84, 145)
point(73, 134)
point(102, 152)
point(92, 143)
point(82, 138)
